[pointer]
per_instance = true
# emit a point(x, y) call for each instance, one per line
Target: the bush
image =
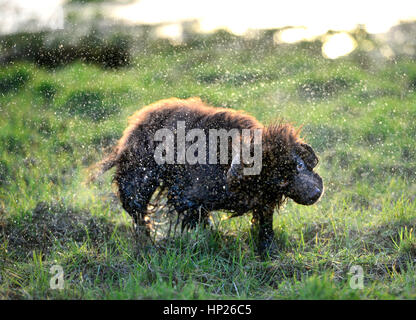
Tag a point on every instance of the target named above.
point(13, 81)
point(47, 90)
point(109, 53)
point(59, 48)
point(89, 103)
point(323, 88)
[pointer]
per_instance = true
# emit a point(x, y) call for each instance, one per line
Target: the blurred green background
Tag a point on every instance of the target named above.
point(65, 96)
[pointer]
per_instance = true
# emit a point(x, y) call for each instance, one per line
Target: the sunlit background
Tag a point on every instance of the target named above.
point(300, 19)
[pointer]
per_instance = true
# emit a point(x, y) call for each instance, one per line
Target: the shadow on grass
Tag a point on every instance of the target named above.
point(52, 223)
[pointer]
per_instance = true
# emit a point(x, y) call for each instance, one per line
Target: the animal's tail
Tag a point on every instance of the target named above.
point(96, 170)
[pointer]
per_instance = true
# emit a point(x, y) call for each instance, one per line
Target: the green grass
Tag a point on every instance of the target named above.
point(361, 122)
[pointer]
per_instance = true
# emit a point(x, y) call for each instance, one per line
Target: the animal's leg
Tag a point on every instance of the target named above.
point(195, 216)
point(135, 189)
point(187, 206)
point(263, 220)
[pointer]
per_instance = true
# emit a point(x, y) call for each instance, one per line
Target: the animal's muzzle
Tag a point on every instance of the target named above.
point(305, 188)
point(315, 195)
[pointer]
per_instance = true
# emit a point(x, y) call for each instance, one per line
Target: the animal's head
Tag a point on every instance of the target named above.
point(302, 184)
point(287, 168)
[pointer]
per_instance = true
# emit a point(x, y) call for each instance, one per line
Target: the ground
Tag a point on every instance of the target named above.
point(358, 114)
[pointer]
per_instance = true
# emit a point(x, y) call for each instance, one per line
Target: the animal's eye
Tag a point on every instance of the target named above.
point(300, 165)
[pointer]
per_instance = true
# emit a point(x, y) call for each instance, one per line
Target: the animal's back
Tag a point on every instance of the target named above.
point(143, 124)
point(195, 113)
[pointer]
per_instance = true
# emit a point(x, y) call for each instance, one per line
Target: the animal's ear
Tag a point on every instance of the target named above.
point(308, 155)
point(235, 173)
